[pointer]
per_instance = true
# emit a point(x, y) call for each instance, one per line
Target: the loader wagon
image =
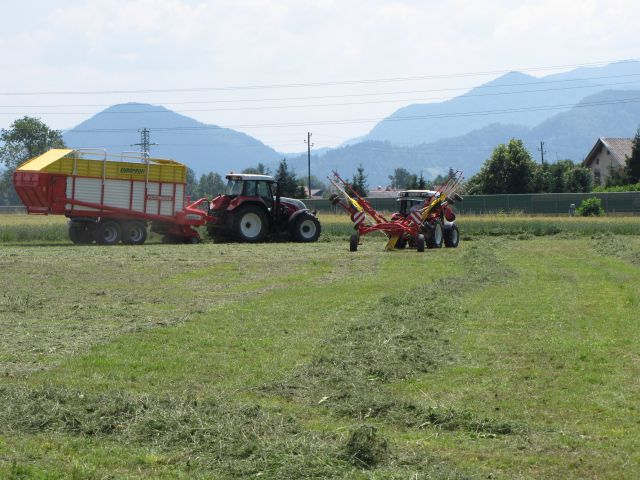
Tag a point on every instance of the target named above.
point(110, 199)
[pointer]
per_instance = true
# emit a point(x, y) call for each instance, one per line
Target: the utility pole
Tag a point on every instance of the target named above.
point(309, 145)
point(541, 150)
point(145, 145)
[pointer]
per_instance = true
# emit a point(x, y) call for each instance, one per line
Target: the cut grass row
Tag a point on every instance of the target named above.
point(25, 228)
point(502, 358)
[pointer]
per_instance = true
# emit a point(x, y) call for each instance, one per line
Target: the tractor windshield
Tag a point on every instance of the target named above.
point(407, 204)
point(234, 187)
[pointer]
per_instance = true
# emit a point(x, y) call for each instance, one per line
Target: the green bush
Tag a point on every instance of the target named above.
point(590, 207)
point(632, 187)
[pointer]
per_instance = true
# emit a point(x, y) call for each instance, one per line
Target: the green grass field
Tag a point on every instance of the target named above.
point(514, 356)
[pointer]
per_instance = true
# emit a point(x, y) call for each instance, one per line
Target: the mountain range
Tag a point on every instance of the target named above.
point(567, 111)
point(567, 135)
point(202, 147)
point(512, 99)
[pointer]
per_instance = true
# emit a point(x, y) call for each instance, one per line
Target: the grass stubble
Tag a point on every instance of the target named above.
point(340, 410)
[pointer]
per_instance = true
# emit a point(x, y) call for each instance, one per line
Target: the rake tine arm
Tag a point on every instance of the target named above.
point(366, 206)
point(372, 212)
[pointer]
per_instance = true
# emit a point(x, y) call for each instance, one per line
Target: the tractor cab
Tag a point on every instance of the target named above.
point(251, 209)
point(409, 199)
point(242, 187)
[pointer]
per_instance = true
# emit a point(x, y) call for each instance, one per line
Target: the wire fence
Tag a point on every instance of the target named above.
point(614, 203)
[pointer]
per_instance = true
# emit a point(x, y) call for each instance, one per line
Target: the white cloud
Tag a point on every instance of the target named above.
point(139, 44)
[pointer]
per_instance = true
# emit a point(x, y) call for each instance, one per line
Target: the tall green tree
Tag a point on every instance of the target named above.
point(316, 183)
point(401, 178)
point(441, 179)
point(543, 179)
point(210, 185)
point(578, 180)
point(260, 169)
point(287, 182)
point(632, 165)
point(561, 176)
point(509, 170)
point(26, 138)
point(191, 188)
point(359, 182)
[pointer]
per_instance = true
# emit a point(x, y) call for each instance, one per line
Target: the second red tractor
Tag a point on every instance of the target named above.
point(251, 210)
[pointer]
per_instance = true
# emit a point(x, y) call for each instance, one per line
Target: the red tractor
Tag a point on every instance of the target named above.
point(251, 210)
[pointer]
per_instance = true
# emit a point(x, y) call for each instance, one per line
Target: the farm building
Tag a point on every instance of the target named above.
point(607, 154)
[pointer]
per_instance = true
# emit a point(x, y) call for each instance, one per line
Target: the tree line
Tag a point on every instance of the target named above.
point(510, 169)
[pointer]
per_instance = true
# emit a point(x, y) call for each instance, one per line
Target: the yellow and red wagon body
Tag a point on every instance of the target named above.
point(92, 184)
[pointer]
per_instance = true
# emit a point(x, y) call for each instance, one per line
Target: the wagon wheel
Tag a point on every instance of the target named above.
point(108, 232)
point(134, 233)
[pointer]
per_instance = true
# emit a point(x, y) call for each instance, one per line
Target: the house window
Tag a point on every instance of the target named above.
point(596, 175)
point(598, 161)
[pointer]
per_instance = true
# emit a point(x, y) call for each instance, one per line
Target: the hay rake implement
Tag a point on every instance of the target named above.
point(428, 222)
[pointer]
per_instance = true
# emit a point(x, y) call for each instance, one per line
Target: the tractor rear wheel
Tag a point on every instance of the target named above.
point(80, 233)
point(306, 228)
point(250, 224)
point(134, 233)
point(108, 232)
point(452, 237)
point(420, 243)
point(353, 242)
point(434, 239)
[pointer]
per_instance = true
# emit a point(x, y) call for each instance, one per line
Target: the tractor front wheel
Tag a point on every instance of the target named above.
point(306, 228)
point(250, 224)
point(353, 242)
point(420, 243)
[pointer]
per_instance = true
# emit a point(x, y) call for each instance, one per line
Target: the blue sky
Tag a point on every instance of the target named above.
point(115, 45)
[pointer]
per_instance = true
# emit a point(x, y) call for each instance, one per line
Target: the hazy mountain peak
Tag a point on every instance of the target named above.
point(201, 146)
point(512, 98)
point(509, 79)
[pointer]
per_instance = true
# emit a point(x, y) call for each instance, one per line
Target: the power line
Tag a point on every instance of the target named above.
point(375, 120)
point(315, 84)
point(280, 107)
point(320, 97)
